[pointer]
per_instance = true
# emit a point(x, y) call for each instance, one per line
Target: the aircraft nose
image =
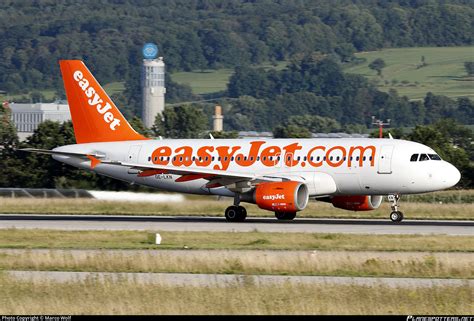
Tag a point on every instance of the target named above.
point(451, 175)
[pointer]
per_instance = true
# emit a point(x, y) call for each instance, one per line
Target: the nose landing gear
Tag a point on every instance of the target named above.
point(396, 216)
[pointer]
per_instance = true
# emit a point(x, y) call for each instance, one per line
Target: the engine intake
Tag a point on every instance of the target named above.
point(288, 196)
point(357, 202)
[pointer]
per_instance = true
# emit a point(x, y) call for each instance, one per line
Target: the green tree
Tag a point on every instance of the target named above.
point(291, 131)
point(377, 65)
point(186, 121)
point(139, 127)
point(315, 124)
point(11, 166)
point(469, 66)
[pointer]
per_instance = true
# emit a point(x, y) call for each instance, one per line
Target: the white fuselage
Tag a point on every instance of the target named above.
point(333, 166)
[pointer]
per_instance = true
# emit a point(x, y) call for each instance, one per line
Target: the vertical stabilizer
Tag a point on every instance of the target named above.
point(94, 116)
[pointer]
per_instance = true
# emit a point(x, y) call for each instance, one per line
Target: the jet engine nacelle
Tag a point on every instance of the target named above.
point(288, 196)
point(357, 202)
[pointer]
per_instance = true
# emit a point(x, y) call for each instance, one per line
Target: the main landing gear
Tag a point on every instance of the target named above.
point(285, 215)
point(396, 216)
point(235, 213)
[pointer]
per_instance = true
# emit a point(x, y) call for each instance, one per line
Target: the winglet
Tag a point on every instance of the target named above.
point(94, 161)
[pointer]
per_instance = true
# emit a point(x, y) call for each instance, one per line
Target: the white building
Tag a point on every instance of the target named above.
point(153, 89)
point(27, 117)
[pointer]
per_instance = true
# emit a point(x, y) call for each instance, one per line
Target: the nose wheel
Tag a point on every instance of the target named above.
point(235, 213)
point(396, 216)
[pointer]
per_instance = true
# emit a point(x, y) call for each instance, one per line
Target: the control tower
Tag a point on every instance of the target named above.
point(153, 84)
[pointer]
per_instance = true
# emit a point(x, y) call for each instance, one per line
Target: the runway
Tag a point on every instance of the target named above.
point(219, 224)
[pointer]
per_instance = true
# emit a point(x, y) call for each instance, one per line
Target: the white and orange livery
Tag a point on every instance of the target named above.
point(279, 175)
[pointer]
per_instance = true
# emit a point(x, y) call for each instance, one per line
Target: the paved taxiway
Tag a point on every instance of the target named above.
point(218, 224)
point(222, 280)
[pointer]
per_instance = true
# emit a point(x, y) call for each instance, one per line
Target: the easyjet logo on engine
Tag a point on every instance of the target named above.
point(96, 101)
point(274, 197)
point(220, 157)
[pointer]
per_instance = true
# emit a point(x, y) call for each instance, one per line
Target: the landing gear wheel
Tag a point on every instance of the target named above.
point(396, 216)
point(285, 215)
point(235, 213)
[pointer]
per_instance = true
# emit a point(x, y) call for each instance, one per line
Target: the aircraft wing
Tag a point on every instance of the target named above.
point(216, 178)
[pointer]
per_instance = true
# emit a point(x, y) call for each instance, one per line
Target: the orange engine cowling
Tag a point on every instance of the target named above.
point(357, 202)
point(282, 196)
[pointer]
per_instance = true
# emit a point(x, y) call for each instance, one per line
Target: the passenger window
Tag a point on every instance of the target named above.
point(413, 158)
point(424, 157)
point(434, 157)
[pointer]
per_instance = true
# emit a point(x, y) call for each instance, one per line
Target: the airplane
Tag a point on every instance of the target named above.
point(279, 175)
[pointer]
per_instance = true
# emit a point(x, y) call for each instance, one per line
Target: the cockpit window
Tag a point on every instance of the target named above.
point(424, 157)
point(413, 158)
point(434, 157)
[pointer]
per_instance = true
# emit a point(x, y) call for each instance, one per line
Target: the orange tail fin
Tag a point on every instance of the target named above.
point(94, 116)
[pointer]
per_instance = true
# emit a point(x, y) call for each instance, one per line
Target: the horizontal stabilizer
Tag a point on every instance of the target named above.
point(53, 152)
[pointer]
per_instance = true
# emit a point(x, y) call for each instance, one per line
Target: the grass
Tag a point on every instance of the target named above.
point(114, 87)
point(128, 297)
point(48, 94)
point(210, 81)
point(444, 73)
point(54, 239)
point(329, 263)
point(208, 206)
point(204, 82)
